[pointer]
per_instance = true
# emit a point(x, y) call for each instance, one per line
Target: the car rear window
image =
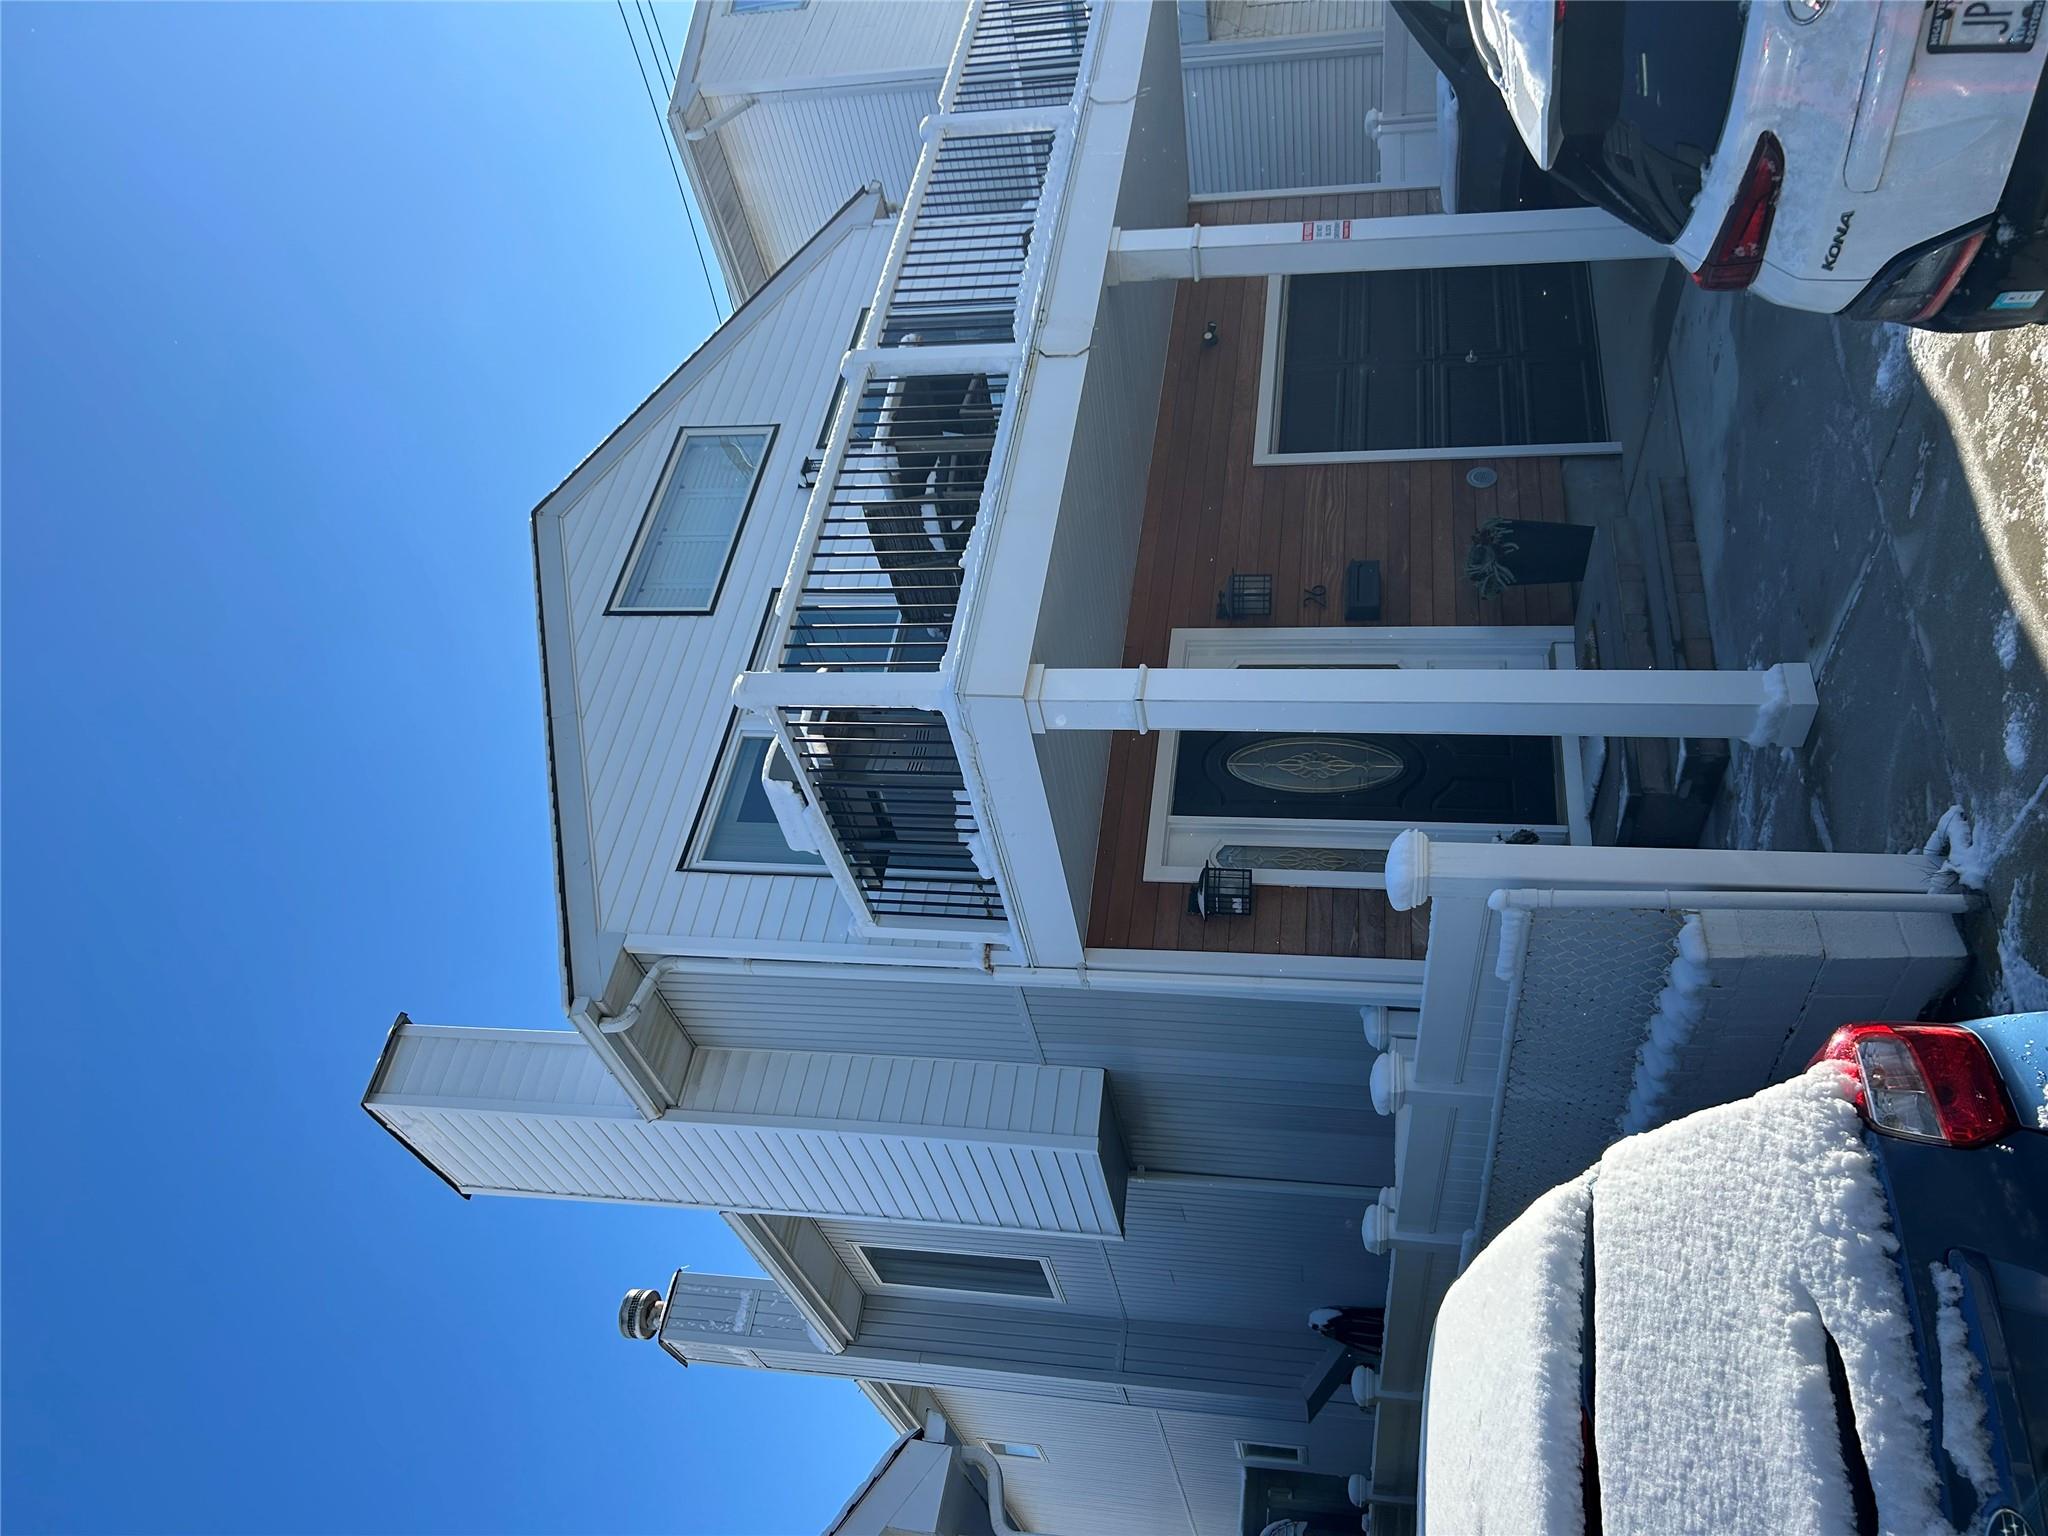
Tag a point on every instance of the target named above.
point(1642, 95)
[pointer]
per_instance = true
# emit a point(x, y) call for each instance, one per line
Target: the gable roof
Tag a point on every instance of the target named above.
point(586, 958)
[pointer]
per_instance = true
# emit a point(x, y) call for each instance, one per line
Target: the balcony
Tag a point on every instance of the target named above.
point(890, 560)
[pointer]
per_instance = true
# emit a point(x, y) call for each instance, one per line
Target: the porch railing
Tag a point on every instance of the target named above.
point(888, 560)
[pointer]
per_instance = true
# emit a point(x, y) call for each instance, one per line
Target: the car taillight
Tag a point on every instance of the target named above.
point(1925, 1082)
point(1738, 251)
point(1915, 289)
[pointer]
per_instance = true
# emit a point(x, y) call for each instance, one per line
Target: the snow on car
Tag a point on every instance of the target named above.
point(1887, 161)
point(1823, 1308)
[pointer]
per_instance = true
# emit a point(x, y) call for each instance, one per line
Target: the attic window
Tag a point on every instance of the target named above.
point(983, 1274)
point(1016, 1450)
point(686, 542)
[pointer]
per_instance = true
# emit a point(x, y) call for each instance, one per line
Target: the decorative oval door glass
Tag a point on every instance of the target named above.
point(1315, 765)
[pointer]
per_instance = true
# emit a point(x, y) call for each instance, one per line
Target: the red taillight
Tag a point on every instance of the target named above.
point(1965, 253)
point(1925, 1082)
point(1738, 251)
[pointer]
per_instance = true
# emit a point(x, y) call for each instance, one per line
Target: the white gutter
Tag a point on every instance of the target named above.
point(703, 957)
point(1648, 900)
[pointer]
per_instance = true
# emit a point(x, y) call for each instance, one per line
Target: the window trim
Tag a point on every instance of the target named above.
point(871, 1278)
point(1266, 1453)
point(616, 607)
point(1266, 428)
point(722, 765)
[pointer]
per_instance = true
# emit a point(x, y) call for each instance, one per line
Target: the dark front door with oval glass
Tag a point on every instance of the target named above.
point(1510, 780)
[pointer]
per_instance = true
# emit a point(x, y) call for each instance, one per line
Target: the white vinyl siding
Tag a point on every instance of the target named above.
point(648, 698)
point(680, 559)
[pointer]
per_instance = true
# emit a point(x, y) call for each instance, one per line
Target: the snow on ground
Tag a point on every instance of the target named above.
point(2005, 640)
point(1894, 366)
point(2021, 986)
point(1503, 1437)
point(1728, 1247)
point(2001, 390)
point(1965, 1433)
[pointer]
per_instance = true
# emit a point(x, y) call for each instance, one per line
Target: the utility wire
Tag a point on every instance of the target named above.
point(668, 148)
point(667, 59)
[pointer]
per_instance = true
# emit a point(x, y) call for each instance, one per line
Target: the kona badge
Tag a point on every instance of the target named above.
point(1835, 245)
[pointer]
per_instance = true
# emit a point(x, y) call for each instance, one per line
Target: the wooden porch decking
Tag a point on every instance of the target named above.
point(1209, 511)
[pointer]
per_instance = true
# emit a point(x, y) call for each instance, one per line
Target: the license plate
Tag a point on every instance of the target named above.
point(1983, 26)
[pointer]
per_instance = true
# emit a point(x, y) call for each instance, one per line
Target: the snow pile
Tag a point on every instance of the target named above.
point(1407, 871)
point(1519, 35)
point(1965, 1433)
point(2005, 640)
point(1894, 365)
point(1729, 1247)
point(1770, 714)
point(1503, 1432)
point(1970, 848)
point(1679, 1008)
point(1514, 941)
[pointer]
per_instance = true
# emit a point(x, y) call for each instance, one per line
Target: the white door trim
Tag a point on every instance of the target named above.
point(1264, 427)
point(1176, 847)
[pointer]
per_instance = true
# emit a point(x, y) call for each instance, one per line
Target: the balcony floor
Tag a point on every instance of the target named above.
point(1208, 512)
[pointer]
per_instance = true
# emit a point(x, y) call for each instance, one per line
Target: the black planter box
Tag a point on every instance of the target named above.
point(1546, 552)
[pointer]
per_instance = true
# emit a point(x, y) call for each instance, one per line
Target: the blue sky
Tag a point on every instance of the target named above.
point(305, 307)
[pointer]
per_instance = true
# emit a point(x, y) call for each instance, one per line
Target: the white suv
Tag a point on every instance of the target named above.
point(1882, 160)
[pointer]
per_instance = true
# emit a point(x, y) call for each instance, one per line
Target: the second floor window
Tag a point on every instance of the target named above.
point(686, 543)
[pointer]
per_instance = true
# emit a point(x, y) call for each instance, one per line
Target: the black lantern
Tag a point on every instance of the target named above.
point(1221, 893)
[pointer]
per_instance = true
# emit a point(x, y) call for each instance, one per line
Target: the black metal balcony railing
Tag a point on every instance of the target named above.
point(882, 588)
point(892, 788)
point(1024, 53)
point(965, 263)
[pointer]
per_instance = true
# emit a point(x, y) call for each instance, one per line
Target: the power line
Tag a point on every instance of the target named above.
point(668, 60)
point(668, 149)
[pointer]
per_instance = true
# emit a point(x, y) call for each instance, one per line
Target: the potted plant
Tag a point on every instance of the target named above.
point(1510, 551)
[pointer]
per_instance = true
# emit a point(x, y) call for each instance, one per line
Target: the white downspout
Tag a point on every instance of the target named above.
point(992, 1471)
point(712, 124)
point(627, 1017)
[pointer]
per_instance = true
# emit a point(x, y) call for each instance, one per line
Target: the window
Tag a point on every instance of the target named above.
point(736, 830)
point(1282, 1455)
point(680, 558)
point(1396, 363)
point(741, 832)
point(748, 7)
point(1016, 1450)
point(983, 1273)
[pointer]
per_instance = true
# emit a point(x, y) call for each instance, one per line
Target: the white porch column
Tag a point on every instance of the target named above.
point(1420, 870)
point(1774, 707)
point(1399, 243)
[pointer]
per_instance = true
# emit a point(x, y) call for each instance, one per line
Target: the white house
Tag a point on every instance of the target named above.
point(1050, 842)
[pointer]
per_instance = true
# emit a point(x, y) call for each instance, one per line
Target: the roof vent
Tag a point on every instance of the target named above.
point(640, 1314)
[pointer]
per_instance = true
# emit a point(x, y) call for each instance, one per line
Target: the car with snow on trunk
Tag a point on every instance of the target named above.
point(1884, 161)
point(1823, 1308)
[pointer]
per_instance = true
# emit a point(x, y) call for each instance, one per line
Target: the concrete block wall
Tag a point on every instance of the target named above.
point(1780, 982)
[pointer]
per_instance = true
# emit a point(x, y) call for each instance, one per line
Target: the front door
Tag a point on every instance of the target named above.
point(1405, 780)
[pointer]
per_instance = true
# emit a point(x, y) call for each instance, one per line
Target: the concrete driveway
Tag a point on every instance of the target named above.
point(1875, 501)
